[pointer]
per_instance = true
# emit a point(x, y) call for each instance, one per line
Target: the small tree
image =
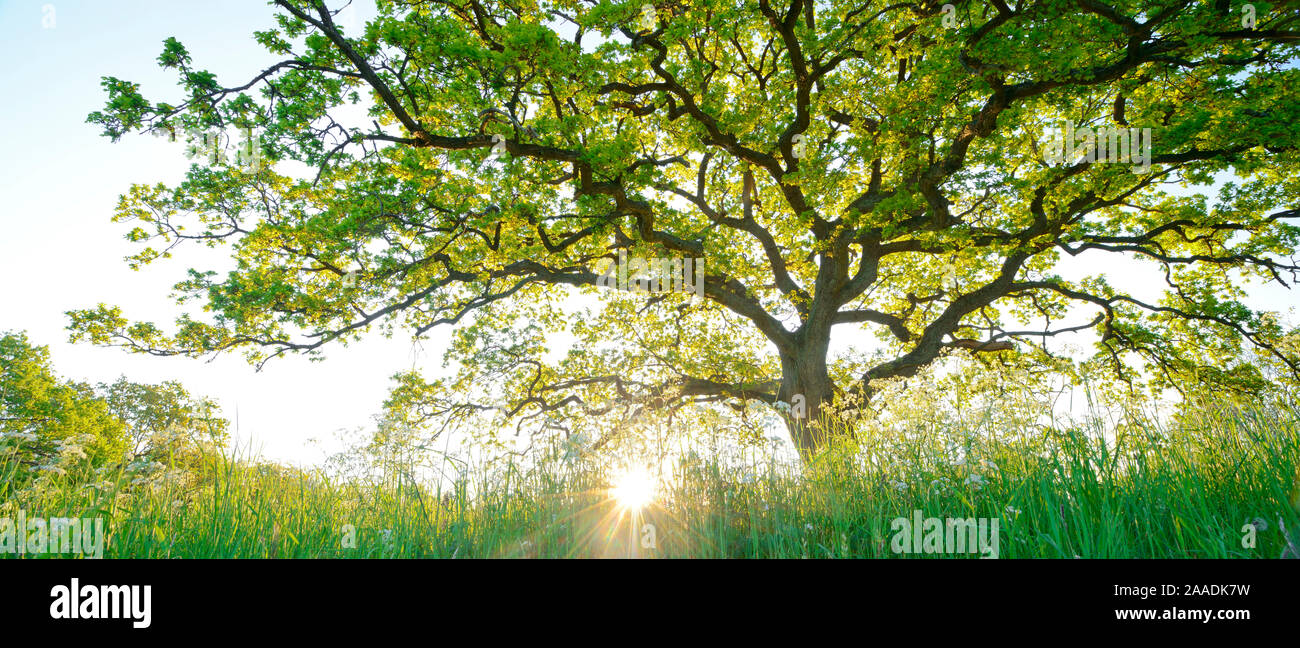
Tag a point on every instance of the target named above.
point(164, 421)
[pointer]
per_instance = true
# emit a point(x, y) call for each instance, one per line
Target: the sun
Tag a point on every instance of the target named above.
point(633, 489)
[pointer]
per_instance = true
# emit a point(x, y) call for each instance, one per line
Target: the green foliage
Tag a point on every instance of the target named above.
point(164, 421)
point(44, 420)
point(922, 214)
point(51, 427)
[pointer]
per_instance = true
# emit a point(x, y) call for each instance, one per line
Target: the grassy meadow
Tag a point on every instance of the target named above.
point(1138, 490)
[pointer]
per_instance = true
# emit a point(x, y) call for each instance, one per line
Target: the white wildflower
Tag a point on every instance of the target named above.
point(29, 437)
point(70, 451)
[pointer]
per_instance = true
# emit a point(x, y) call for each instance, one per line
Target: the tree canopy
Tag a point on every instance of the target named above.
point(48, 423)
point(164, 420)
point(43, 417)
point(894, 172)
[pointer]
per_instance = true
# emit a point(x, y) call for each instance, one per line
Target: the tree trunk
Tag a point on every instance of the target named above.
point(806, 386)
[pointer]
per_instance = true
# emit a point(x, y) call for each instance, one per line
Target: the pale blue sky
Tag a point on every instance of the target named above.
point(59, 182)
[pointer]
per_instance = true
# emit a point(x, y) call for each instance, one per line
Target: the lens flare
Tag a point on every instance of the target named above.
point(633, 489)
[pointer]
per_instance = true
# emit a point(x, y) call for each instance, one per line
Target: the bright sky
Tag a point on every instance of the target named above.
point(60, 181)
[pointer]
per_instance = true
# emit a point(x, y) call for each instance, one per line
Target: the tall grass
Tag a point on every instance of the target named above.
point(1138, 490)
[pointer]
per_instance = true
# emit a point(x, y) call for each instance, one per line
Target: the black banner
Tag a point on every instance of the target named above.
point(943, 600)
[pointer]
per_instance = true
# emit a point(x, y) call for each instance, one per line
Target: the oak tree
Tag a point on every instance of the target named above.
point(889, 172)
